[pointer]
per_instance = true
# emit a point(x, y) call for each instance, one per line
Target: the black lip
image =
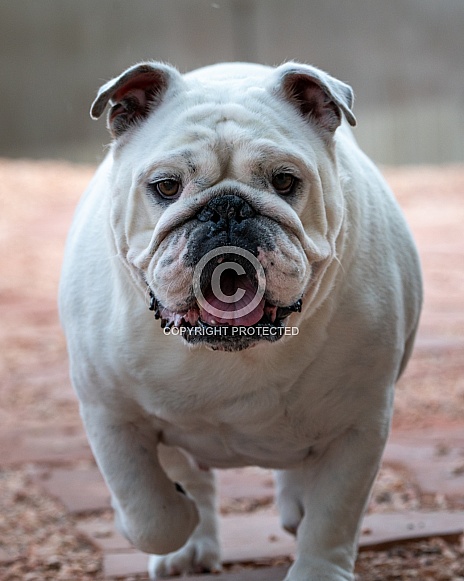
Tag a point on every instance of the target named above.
point(283, 312)
point(226, 330)
point(154, 305)
point(223, 337)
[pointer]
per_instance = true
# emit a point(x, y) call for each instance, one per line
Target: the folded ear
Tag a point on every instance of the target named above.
point(318, 96)
point(133, 95)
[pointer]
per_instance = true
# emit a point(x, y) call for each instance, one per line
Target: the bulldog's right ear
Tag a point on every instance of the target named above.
point(133, 95)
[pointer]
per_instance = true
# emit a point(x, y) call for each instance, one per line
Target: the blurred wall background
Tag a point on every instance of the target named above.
point(404, 59)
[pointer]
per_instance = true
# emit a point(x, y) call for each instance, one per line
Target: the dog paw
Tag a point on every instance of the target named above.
point(196, 556)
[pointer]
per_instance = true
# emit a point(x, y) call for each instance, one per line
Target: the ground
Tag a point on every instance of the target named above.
point(44, 536)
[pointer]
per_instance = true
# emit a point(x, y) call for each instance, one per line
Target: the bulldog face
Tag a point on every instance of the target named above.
point(226, 199)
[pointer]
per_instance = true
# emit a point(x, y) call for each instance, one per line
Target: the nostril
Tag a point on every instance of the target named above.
point(207, 214)
point(246, 211)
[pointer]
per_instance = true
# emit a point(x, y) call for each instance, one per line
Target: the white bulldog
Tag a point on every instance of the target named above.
point(235, 203)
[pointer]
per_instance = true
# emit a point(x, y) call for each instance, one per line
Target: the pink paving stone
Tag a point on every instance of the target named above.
point(435, 471)
point(79, 489)
point(103, 533)
point(254, 537)
point(122, 564)
point(244, 538)
point(258, 537)
point(434, 458)
point(261, 574)
point(43, 444)
point(84, 489)
point(136, 563)
point(436, 344)
point(249, 483)
point(247, 537)
point(380, 530)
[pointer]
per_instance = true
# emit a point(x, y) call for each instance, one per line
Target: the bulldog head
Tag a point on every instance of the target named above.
point(226, 198)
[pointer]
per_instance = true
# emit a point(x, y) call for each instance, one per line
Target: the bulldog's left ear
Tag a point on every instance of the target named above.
point(318, 96)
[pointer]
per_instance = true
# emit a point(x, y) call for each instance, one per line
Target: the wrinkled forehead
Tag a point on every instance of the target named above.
point(225, 125)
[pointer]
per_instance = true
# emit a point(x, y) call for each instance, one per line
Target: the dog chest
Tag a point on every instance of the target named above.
point(227, 446)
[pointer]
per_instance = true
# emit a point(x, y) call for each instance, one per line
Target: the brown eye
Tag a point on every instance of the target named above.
point(283, 183)
point(167, 188)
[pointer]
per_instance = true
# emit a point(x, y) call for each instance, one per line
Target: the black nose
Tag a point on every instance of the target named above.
point(227, 208)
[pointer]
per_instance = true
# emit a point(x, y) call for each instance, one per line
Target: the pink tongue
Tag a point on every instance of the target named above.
point(231, 284)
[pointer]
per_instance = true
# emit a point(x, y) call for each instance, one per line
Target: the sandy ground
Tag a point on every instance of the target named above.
point(38, 539)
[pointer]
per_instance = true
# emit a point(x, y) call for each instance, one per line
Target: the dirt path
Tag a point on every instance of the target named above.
point(39, 421)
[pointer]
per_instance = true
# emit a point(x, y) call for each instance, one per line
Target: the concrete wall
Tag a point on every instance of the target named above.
point(404, 59)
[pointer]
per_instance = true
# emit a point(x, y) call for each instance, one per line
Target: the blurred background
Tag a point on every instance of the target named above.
point(405, 62)
point(403, 58)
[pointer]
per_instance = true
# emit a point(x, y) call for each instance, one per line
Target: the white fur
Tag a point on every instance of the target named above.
point(316, 407)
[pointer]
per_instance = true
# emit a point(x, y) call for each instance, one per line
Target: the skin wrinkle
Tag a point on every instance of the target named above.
point(183, 161)
point(221, 151)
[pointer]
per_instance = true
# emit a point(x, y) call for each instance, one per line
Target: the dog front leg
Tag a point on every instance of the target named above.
point(201, 553)
point(323, 501)
point(153, 514)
